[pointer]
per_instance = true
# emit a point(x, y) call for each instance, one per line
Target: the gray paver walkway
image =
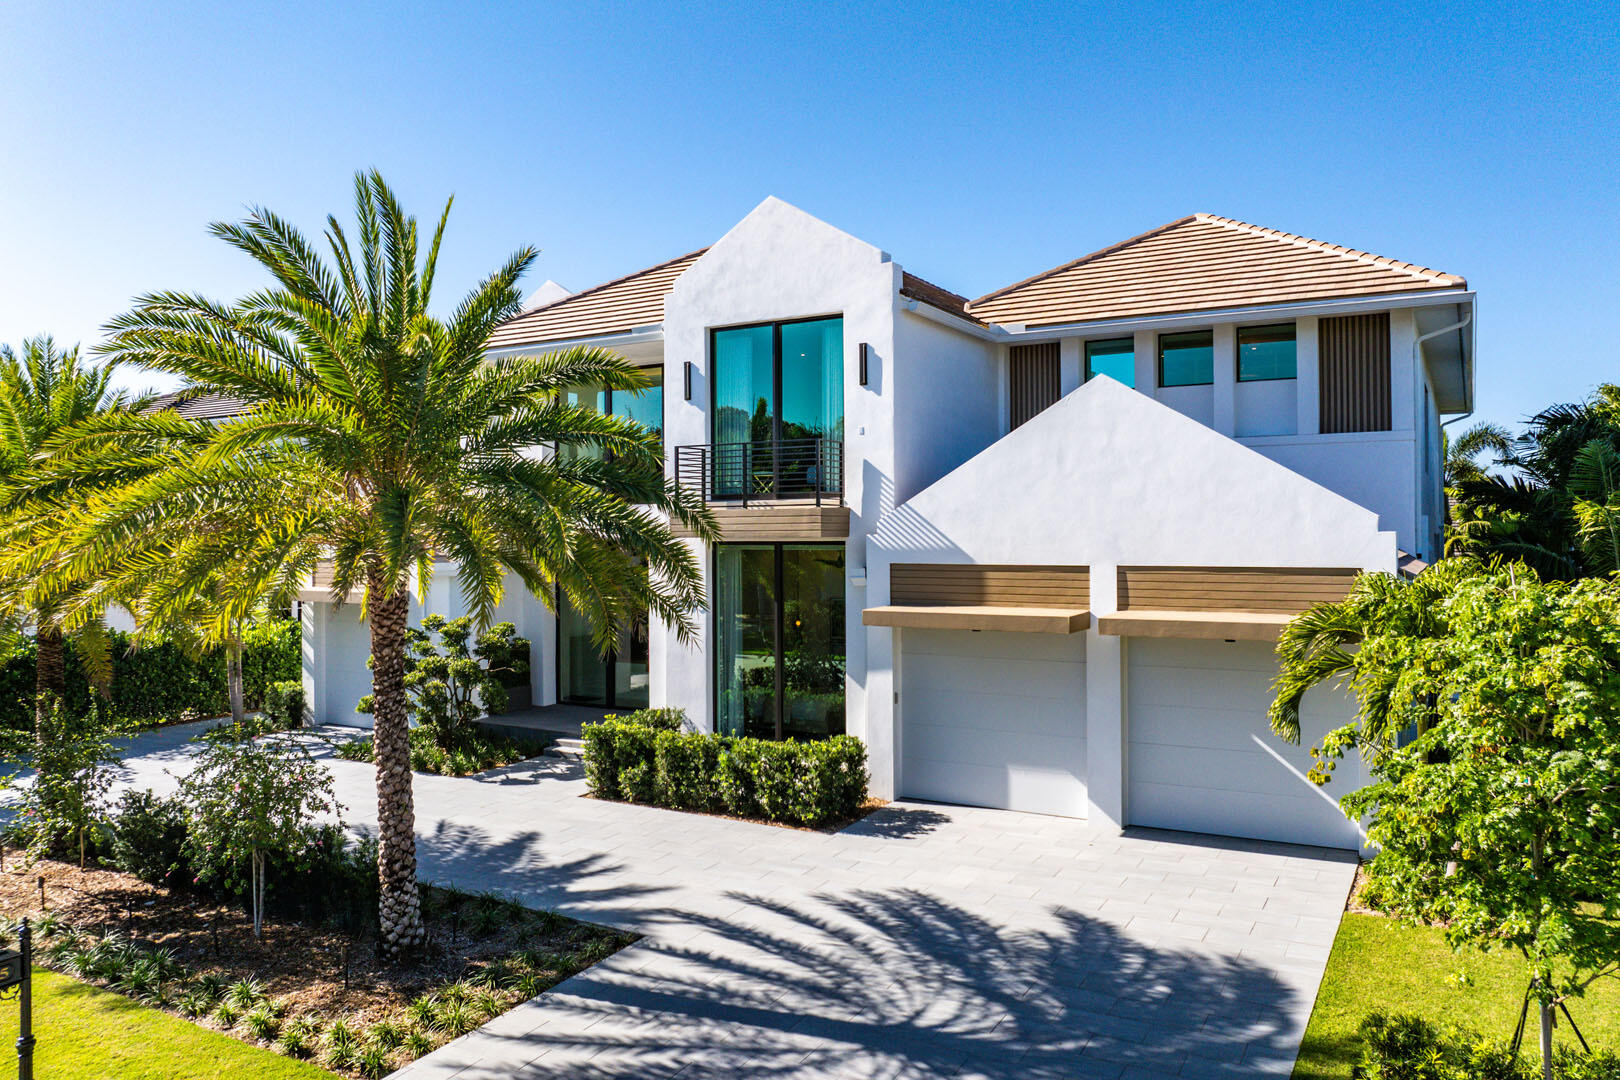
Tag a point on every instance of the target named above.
point(926, 941)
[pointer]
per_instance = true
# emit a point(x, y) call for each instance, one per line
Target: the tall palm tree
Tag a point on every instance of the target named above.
point(377, 435)
point(44, 390)
point(1462, 453)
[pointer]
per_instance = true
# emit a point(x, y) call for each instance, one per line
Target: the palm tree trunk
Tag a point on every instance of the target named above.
point(50, 669)
point(399, 911)
point(233, 678)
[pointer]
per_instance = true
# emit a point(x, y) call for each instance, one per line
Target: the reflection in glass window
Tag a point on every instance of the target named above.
point(1115, 358)
point(1187, 359)
point(1266, 352)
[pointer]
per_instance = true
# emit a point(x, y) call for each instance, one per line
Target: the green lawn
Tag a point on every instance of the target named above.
point(86, 1033)
point(1379, 964)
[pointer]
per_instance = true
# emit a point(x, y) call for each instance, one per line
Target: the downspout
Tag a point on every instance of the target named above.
point(1417, 345)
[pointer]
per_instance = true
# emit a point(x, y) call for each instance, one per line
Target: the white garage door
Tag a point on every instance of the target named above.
point(994, 719)
point(1202, 755)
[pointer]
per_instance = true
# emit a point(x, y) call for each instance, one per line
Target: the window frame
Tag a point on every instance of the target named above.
point(1159, 343)
point(1086, 374)
point(1237, 353)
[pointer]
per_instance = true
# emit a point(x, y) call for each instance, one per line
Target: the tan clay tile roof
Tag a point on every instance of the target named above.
point(933, 295)
point(1199, 263)
point(195, 406)
point(615, 307)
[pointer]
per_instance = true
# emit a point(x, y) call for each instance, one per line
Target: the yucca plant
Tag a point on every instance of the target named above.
point(227, 1014)
point(424, 1011)
point(386, 1034)
point(244, 993)
point(372, 1062)
point(377, 435)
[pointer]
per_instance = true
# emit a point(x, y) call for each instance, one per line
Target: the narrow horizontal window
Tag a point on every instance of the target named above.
point(1115, 358)
point(1187, 359)
point(1266, 352)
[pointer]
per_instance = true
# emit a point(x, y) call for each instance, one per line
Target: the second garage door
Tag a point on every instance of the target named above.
point(1202, 755)
point(994, 719)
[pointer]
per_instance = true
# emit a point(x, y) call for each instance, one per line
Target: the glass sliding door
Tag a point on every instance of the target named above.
point(585, 676)
point(779, 640)
point(778, 399)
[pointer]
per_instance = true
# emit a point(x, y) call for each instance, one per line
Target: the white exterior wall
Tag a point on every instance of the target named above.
point(781, 263)
point(947, 401)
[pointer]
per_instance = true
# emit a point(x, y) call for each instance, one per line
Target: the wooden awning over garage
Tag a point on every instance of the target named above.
point(976, 596)
point(1031, 620)
point(1226, 603)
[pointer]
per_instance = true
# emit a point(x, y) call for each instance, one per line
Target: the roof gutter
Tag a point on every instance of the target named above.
point(638, 336)
point(1175, 320)
point(1468, 383)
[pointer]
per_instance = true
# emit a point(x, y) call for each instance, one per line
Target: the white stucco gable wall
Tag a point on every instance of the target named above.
point(1107, 475)
point(781, 263)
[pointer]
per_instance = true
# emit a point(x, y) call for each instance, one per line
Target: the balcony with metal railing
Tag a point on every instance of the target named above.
point(768, 472)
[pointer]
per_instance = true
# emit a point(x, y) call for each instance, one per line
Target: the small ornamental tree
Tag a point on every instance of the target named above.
point(458, 681)
point(73, 760)
point(1490, 718)
point(248, 799)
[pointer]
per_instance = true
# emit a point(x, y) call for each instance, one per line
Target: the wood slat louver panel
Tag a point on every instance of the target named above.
point(996, 586)
point(1280, 590)
point(1354, 357)
point(1033, 378)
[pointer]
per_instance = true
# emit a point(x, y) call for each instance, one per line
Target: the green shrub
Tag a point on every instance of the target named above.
point(809, 783)
point(1404, 1047)
point(284, 704)
point(148, 839)
point(684, 766)
point(160, 680)
point(658, 719)
point(737, 776)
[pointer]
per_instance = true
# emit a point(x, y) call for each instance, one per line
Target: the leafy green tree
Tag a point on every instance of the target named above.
point(457, 681)
point(1555, 500)
point(44, 391)
point(249, 799)
point(1490, 718)
point(1462, 453)
point(378, 436)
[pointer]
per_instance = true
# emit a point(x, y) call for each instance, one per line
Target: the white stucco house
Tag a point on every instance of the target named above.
point(1033, 548)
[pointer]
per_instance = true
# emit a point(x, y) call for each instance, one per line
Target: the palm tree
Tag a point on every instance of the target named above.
point(1462, 453)
point(1556, 505)
point(376, 435)
point(44, 391)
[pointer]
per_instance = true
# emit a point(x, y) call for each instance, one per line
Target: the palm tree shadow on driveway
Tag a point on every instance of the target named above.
point(895, 984)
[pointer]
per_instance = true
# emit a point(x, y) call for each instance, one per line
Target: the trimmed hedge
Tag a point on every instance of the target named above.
point(1404, 1047)
point(284, 704)
point(159, 681)
point(796, 783)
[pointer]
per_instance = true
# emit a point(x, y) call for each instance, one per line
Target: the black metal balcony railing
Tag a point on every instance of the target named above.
point(741, 472)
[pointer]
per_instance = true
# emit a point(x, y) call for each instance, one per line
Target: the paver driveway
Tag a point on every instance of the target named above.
point(925, 941)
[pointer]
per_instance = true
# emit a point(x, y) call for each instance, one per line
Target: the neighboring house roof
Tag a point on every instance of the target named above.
point(1198, 263)
point(615, 307)
point(199, 406)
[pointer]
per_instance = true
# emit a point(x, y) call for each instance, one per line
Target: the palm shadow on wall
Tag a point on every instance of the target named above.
point(897, 985)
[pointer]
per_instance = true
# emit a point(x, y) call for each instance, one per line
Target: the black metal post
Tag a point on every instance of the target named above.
point(25, 1020)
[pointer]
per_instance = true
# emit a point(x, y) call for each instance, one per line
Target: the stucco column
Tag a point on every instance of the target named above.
point(1106, 706)
point(1307, 382)
point(1071, 373)
point(1225, 389)
point(1146, 345)
point(1404, 381)
point(312, 659)
point(881, 723)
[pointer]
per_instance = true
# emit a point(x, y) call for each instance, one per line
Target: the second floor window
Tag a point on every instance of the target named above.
point(646, 407)
point(1187, 359)
point(1115, 358)
point(1266, 352)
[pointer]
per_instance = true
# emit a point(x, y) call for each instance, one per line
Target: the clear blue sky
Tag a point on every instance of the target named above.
point(979, 144)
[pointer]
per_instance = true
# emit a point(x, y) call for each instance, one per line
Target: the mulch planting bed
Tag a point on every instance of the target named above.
point(483, 942)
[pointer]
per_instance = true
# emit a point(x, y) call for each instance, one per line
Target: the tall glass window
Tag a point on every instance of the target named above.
point(778, 400)
point(646, 407)
point(617, 679)
point(1115, 358)
point(1266, 352)
point(1187, 359)
point(779, 640)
